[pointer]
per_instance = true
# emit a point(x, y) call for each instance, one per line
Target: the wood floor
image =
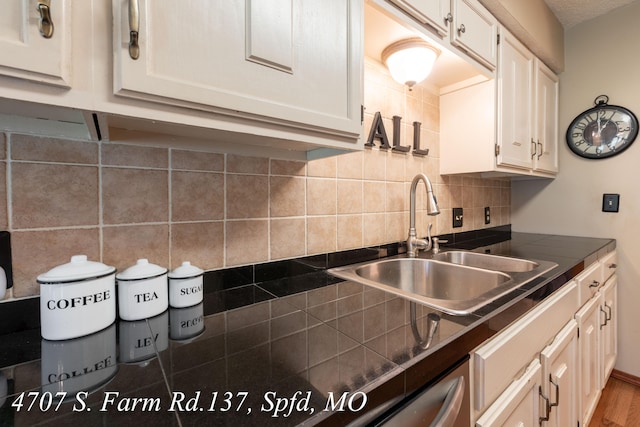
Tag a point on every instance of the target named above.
point(619, 405)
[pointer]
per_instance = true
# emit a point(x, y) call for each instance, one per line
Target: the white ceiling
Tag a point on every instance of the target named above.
point(573, 12)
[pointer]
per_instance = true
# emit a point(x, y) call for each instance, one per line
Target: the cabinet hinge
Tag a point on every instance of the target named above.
point(361, 113)
point(497, 149)
point(498, 38)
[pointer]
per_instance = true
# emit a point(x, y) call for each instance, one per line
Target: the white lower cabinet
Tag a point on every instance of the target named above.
point(590, 388)
point(519, 404)
point(560, 377)
point(548, 368)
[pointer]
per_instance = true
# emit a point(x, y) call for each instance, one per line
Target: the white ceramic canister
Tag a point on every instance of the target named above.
point(76, 299)
point(142, 291)
point(185, 285)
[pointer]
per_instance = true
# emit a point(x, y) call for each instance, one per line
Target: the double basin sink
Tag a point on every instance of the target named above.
point(455, 282)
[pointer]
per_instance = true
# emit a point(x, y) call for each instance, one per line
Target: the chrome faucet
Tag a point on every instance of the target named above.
point(413, 243)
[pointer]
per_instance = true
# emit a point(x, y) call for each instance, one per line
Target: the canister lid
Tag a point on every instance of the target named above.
point(78, 269)
point(185, 271)
point(142, 269)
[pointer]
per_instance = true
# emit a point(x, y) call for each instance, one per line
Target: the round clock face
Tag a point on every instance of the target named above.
point(602, 131)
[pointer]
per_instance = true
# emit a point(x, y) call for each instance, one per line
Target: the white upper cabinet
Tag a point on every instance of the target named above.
point(434, 13)
point(277, 62)
point(475, 30)
point(546, 119)
point(515, 106)
point(35, 41)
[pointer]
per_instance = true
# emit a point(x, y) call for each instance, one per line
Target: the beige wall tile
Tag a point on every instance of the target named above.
point(287, 196)
point(36, 252)
point(134, 155)
point(374, 196)
point(54, 195)
point(247, 196)
point(201, 243)
point(323, 168)
point(124, 245)
point(321, 234)
point(197, 196)
point(350, 196)
point(287, 238)
point(374, 229)
point(349, 231)
point(35, 148)
point(350, 165)
point(197, 161)
point(375, 164)
point(395, 196)
point(244, 164)
point(246, 242)
point(288, 167)
point(396, 166)
point(134, 195)
point(321, 196)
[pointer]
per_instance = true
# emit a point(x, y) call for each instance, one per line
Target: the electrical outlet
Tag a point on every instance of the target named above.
point(457, 217)
point(487, 215)
point(610, 202)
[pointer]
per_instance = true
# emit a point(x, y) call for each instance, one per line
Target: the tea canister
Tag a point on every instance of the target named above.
point(76, 299)
point(185, 285)
point(142, 291)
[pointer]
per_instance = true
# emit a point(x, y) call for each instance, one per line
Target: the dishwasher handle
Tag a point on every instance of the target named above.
point(447, 415)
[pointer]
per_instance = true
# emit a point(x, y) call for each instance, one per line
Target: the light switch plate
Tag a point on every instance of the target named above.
point(610, 202)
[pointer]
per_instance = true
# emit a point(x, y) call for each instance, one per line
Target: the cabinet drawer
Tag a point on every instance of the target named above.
point(589, 281)
point(608, 264)
point(496, 363)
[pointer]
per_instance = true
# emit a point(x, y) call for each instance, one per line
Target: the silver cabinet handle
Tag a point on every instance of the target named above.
point(609, 311)
point(547, 407)
point(557, 386)
point(448, 18)
point(606, 318)
point(45, 23)
point(134, 28)
point(533, 148)
point(540, 153)
point(594, 284)
point(461, 29)
point(450, 410)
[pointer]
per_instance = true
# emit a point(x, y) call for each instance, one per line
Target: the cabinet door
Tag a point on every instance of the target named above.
point(26, 53)
point(475, 31)
point(588, 319)
point(519, 404)
point(274, 61)
point(514, 103)
point(434, 13)
point(546, 153)
point(609, 330)
point(560, 376)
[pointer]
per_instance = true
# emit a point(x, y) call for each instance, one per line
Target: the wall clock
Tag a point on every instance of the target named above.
point(602, 131)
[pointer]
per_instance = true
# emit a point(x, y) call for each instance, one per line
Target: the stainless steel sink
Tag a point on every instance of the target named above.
point(446, 286)
point(489, 262)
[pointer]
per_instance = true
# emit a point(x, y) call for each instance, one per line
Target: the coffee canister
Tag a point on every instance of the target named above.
point(142, 291)
point(185, 286)
point(76, 299)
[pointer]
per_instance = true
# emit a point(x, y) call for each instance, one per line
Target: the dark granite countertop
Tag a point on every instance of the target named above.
point(270, 353)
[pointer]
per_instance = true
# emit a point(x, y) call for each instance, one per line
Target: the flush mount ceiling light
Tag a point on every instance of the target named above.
point(410, 61)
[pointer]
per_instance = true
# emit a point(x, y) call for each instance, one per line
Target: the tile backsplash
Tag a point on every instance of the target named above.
point(117, 202)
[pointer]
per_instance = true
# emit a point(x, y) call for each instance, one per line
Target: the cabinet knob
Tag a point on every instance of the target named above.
point(45, 23)
point(448, 18)
point(461, 29)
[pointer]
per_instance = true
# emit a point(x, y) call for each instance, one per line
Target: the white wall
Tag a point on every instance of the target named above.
point(601, 58)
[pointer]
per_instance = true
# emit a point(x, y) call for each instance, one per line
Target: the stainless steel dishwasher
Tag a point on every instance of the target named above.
point(444, 403)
